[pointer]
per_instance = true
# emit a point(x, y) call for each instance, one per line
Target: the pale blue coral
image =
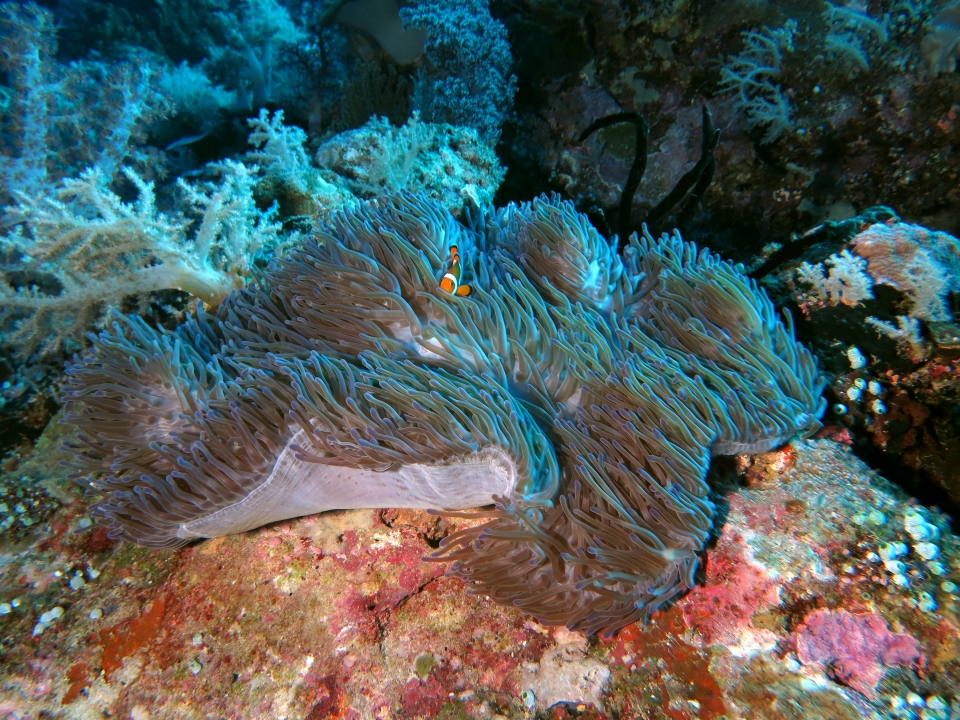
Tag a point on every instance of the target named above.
point(753, 75)
point(47, 133)
point(467, 80)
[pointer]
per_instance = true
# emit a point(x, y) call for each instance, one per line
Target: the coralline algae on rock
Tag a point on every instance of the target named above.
point(327, 615)
point(854, 648)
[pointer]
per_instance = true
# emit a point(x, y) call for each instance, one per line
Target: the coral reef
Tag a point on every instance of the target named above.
point(923, 266)
point(197, 103)
point(907, 421)
point(856, 648)
point(882, 322)
point(179, 159)
point(846, 282)
point(348, 358)
point(72, 255)
point(752, 75)
point(288, 176)
point(852, 34)
point(857, 137)
point(255, 33)
point(451, 165)
point(335, 615)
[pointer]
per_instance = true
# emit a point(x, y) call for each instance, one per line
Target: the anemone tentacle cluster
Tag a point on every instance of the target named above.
point(578, 393)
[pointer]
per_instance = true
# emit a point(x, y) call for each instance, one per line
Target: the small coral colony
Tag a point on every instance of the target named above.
point(325, 255)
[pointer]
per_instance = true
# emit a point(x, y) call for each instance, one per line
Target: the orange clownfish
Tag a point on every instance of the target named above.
point(450, 282)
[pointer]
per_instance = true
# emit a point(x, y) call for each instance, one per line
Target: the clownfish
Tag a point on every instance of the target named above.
point(450, 282)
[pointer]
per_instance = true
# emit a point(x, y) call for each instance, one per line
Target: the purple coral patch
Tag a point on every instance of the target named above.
point(855, 649)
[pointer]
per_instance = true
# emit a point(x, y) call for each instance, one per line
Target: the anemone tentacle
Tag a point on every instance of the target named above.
point(580, 392)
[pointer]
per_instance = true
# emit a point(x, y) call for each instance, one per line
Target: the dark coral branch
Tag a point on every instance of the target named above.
point(698, 178)
point(637, 168)
point(691, 178)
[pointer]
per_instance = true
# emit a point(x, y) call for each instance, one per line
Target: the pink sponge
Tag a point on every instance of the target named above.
point(855, 649)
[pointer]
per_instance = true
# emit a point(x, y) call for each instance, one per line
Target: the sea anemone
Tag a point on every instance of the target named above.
point(577, 393)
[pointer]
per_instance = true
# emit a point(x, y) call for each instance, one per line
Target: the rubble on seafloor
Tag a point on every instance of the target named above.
point(827, 593)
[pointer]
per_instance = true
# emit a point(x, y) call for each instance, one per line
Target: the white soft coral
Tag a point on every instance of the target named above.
point(81, 251)
point(846, 283)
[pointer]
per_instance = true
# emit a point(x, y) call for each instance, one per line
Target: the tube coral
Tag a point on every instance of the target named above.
point(580, 391)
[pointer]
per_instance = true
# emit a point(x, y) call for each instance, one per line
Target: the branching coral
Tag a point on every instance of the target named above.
point(846, 282)
point(848, 29)
point(197, 103)
point(582, 392)
point(83, 250)
point(450, 164)
point(255, 32)
point(279, 150)
point(45, 134)
point(76, 253)
point(923, 265)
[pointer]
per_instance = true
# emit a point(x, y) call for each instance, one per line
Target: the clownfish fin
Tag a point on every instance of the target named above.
point(464, 290)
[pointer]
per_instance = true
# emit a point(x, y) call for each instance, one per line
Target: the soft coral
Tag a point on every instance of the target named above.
point(99, 250)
